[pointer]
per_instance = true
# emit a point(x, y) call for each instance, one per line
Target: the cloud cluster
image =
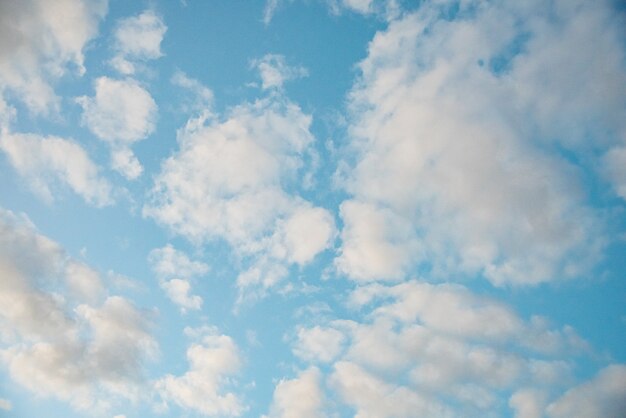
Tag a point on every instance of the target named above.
point(236, 179)
point(459, 121)
point(137, 39)
point(441, 350)
point(174, 271)
point(212, 359)
point(39, 43)
point(39, 40)
point(61, 335)
point(47, 162)
point(300, 397)
point(121, 112)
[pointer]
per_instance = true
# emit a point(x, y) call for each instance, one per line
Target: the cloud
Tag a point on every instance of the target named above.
point(39, 40)
point(174, 269)
point(300, 397)
point(211, 359)
point(437, 349)
point(615, 161)
point(48, 161)
point(318, 344)
point(202, 95)
point(231, 180)
point(121, 112)
point(274, 71)
point(178, 291)
point(603, 396)
point(61, 334)
point(373, 398)
point(457, 126)
point(168, 262)
point(137, 38)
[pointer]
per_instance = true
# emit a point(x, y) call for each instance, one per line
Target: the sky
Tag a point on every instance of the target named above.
point(313, 208)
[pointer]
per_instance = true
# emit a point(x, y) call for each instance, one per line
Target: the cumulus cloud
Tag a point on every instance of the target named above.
point(232, 180)
point(318, 344)
point(169, 262)
point(39, 40)
point(301, 397)
point(121, 112)
point(137, 39)
point(603, 396)
point(437, 349)
point(275, 71)
point(60, 334)
point(212, 359)
point(174, 271)
point(178, 291)
point(457, 123)
point(47, 162)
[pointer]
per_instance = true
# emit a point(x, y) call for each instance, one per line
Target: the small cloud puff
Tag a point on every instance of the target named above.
point(274, 71)
point(137, 38)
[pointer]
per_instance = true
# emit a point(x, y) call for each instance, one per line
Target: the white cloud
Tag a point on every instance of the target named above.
point(440, 350)
point(455, 143)
point(48, 161)
point(275, 71)
point(121, 113)
point(603, 396)
point(55, 344)
point(318, 344)
point(373, 398)
point(300, 397)
point(528, 403)
point(39, 40)
point(137, 38)
point(174, 271)
point(168, 262)
point(84, 282)
point(178, 291)
point(211, 360)
point(230, 181)
point(377, 244)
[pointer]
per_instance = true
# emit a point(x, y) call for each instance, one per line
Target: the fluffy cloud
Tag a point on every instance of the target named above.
point(274, 71)
point(137, 38)
point(174, 270)
point(457, 124)
point(232, 179)
point(212, 360)
point(49, 161)
point(121, 113)
point(169, 262)
point(318, 344)
point(178, 291)
point(438, 349)
point(603, 396)
point(39, 40)
point(60, 334)
point(301, 397)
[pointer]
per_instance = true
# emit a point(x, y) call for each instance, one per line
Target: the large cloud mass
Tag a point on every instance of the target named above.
point(233, 179)
point(459, 122)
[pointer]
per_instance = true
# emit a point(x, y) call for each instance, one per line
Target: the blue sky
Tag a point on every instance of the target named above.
point(321, 208)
